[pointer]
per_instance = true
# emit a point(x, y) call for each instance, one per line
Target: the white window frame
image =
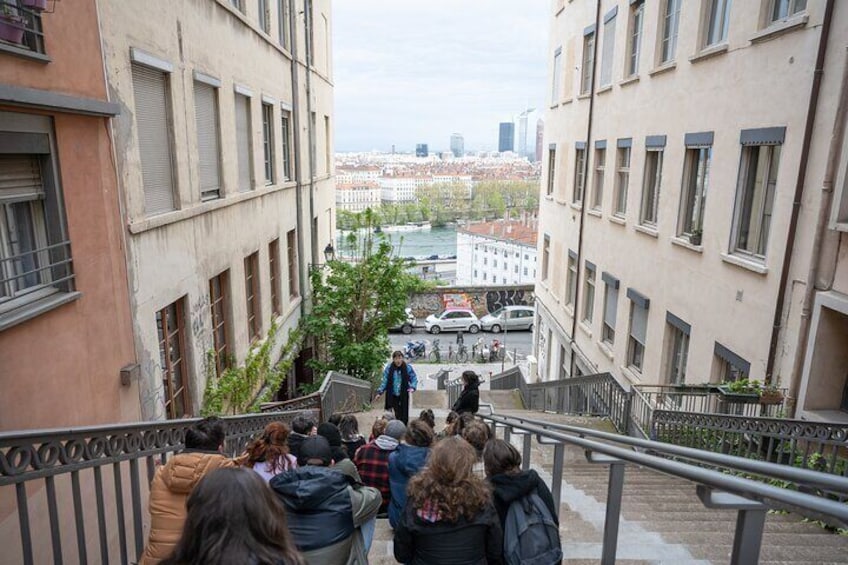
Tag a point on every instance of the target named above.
point(588, 61)
point(651, 184)
point(546, 257)
point(608, 323)
point(670, 26)
point(589, 274)
point(571, 281)
point(636, 349)
point(579, 175)
point(763, 208)
point(608, 49)
point(716, 22)
point(598, 179)
point(268, 140)
point(635, 25)
point(783, 10)
point(693, 189)
point(555, 85)
point(622, 180)
point(549, 189)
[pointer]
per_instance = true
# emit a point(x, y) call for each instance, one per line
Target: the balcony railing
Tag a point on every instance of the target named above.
point(35, 272)
point(20, 25)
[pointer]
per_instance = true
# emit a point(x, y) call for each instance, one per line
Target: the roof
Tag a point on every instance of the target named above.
point(505, 230)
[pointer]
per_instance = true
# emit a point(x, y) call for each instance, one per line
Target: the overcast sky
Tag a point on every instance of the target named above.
point(410, 72)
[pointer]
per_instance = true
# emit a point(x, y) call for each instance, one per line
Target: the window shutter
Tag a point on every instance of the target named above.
point(150, 88)
point(206, 117)
point(611, 306)
point(640, 323)
point(245, 175)
point(20, 179)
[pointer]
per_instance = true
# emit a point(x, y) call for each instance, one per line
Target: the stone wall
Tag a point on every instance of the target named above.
point(481, 299)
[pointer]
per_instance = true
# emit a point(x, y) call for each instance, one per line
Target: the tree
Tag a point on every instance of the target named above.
point(355, 302)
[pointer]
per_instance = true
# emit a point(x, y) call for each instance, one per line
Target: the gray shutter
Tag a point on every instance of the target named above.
point(150, 88)
point(206, 118)
point(639, 324)
point(245, 173)
point(20, 179)
point(611, 306)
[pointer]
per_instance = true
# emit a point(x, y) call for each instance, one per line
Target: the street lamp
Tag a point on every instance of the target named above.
point(329, 253)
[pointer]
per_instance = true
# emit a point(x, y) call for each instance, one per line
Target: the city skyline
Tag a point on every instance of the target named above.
point(410, 74)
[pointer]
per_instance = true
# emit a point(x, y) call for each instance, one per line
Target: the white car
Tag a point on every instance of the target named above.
point(510, 318)
point(452, 320)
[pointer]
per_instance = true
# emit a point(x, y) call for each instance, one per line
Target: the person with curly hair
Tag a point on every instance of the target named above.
point(427, 416)
point(234, 517)
point(449, 518)
point(269, 454)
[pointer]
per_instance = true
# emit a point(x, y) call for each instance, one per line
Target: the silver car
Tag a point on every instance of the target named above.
point(510, 318)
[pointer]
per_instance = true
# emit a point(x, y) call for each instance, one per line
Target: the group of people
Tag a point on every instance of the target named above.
point(311, 494)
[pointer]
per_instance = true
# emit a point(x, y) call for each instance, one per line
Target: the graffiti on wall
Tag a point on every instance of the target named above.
point(481, 300)
point(497, 299)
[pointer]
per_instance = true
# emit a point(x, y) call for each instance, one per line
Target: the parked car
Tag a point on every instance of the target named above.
point(452, 320)
point(408, 324)
point(510, 318)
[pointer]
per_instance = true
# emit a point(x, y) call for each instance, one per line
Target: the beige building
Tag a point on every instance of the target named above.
point(223, 150)
point(358, 196)
point(678, 137)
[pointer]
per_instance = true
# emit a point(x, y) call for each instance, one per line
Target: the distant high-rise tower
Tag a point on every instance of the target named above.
point(506, 137)
point(421, 150)
point(457, 145)
point(540, 133)
point(522, 132)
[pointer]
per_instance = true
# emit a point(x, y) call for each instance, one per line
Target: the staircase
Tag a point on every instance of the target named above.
point(662, 519)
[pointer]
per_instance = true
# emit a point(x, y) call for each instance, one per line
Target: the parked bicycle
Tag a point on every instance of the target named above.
point(435, 353)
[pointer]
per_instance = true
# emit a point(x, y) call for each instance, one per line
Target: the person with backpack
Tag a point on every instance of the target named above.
point(525, 506)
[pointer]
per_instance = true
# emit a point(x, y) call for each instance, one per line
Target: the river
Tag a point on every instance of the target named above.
point(416, 244)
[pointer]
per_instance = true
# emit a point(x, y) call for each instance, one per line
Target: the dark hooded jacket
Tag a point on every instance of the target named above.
point(405, 462)
point(295, 440)
point(509, 488)
point(469, 399)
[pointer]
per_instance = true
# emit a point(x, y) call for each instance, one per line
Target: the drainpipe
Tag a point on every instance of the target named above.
point(818, 260)
point(585, 201)
point(310, 63)
point(298, 169)
point(777, 325)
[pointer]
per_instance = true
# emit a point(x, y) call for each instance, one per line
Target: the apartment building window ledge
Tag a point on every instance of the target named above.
point(567, 101)
point(840, 226)
point(576, 205)
point(748, 264)
point(709, 53)
point(605, 349)
point(778, 28)
point(584, 96)
point(604, 89)
point(569, 309)
point(24, 53)
point(293, 305)
point(146, 224)
point(629, 80)
point(683, 242)
point(617, 220)
point(647, 230)
point(554, 106)
point(585, 329)
point(52, 299)
point(664, 68)
point(595, 213)
point(560, 201)
point(630, 374)
point(549, 197)
point(559, 10)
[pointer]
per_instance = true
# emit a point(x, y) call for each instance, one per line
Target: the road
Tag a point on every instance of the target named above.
point(520, 341)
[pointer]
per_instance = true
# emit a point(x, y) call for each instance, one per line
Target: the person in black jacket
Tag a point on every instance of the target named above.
point(469, 398)
point(449, 518)
point(509, 483)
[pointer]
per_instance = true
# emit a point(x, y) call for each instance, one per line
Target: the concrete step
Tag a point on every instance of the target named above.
point(432, 399)
point(502, 399)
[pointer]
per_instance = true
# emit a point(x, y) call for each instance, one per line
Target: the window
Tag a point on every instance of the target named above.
point(546, 251)
point(208, 144)
point(551, 169)
point(313, 147)
point(589, 293)
point(563, 362)
point(634, 38)
point(728, 366)
point(22, 24)
point(35, 254)
point(755, 191)
point(219, 305)
point(571, 281)
point(783, 9)
point(264, 16)
point(677, 352)
point(285, 135)
point(268, 141)
point(638, 330)
point(237, 4)
point(610, 308)
point(494, 263)
point(327, 151)
point(251, 292)
point(669, 24)
point(651, 186)
point(274, 269)
point(622, 178)
point(608, 48)
point(579, 174)
point(598, 193)
point(718, 19)
point(283, 22)
point(153, 124)
point(243, 144)
point(693, 194)
point(170, 326)
point(291, 254)
point(588, 61)
point(556, 80)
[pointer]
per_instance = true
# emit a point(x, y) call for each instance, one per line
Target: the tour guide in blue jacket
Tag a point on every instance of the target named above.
point(399, 379)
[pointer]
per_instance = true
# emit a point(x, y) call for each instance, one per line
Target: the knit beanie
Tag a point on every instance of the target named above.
point(395, 429)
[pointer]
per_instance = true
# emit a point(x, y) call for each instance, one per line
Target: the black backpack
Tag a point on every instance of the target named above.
point(531, 535)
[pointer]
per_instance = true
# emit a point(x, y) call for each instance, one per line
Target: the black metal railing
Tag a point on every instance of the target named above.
point(70, 485)
point(20, 24)
point(36, 271)
point(717, 478)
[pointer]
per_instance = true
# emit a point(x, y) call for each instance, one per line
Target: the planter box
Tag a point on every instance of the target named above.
point(12, 29)
point(739, 397)
point(771, 398)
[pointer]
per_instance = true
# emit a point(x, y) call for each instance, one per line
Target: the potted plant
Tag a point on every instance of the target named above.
point(37, 5)
point(770, 394)
point(695, 236)
point(743, 389)
point(11, 26)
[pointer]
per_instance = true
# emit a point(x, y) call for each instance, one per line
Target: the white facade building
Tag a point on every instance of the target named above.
point(502, 252)
point(358, 196)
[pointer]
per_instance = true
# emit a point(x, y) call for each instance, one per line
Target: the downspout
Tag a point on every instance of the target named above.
point(816, 261)
point(585, 196)
point(298, 169)
point(777, 324)
point(310, 63)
